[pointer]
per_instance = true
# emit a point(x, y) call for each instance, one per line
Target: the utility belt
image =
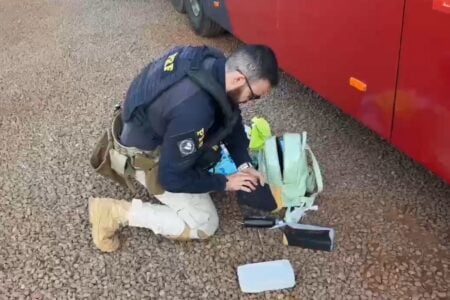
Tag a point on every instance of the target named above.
point(118, 162)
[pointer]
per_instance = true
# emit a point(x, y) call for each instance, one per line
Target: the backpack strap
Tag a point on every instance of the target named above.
point(317, 172)
point(269, 162)
point(294, 214)
point(295, 172)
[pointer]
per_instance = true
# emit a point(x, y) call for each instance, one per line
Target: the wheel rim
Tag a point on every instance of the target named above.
point(195, 7)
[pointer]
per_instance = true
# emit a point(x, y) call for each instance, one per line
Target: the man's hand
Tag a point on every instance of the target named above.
point(241, 181)
point(256, 174)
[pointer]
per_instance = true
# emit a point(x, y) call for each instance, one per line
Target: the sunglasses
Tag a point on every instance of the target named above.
point(253, 96)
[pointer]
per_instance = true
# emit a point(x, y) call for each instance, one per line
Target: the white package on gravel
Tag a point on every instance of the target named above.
point(266, 276)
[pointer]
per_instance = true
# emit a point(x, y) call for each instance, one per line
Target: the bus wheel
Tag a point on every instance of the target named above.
point(201, 24)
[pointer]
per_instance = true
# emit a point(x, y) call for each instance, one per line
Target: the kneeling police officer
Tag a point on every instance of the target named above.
point(167, 135)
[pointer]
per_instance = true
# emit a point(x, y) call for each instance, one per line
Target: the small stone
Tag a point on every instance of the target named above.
point(37, 296)
point(442, 295)
point(162, 293)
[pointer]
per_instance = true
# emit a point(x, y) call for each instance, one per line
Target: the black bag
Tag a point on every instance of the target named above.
point(261, 198)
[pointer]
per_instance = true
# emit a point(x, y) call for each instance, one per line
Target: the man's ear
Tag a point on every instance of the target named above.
point(238, 79)
point(234, 80)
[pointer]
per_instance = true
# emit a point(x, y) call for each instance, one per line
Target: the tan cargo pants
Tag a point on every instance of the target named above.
point(180, 216)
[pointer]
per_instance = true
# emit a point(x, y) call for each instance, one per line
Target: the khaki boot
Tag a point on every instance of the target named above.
point(106, 215)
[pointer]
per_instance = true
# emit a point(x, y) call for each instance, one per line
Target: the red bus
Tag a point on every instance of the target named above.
point(384, 62)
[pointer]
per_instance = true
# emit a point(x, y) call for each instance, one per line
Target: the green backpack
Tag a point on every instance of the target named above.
point(292, 172)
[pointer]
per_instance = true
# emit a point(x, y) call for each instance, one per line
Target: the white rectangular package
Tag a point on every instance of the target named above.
point(266, 276)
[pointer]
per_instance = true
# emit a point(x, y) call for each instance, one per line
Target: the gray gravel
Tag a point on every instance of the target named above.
point(64, 64)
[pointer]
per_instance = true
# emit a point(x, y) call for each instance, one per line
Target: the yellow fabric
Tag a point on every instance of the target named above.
point(260, 132)
point(285, 240)
point(278, 195)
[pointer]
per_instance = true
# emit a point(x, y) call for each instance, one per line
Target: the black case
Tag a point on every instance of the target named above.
point(261, 198)
point(318, 239)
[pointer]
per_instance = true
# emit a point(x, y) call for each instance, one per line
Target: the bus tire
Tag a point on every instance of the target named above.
point(179, 6)
point(201, 24)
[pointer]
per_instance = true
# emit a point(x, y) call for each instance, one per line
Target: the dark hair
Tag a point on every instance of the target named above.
point(256, 62)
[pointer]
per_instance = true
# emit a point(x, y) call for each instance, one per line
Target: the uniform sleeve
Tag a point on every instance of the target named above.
point(237, 144)
point(182, 139)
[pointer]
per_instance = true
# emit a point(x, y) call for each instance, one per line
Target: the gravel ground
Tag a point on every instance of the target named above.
point(64, 64)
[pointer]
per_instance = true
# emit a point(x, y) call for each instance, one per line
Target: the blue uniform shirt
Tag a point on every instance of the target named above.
point(180, 121)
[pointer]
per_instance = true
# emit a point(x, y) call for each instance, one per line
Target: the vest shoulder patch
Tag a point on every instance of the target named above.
point(186, 147)
point(187, 143)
